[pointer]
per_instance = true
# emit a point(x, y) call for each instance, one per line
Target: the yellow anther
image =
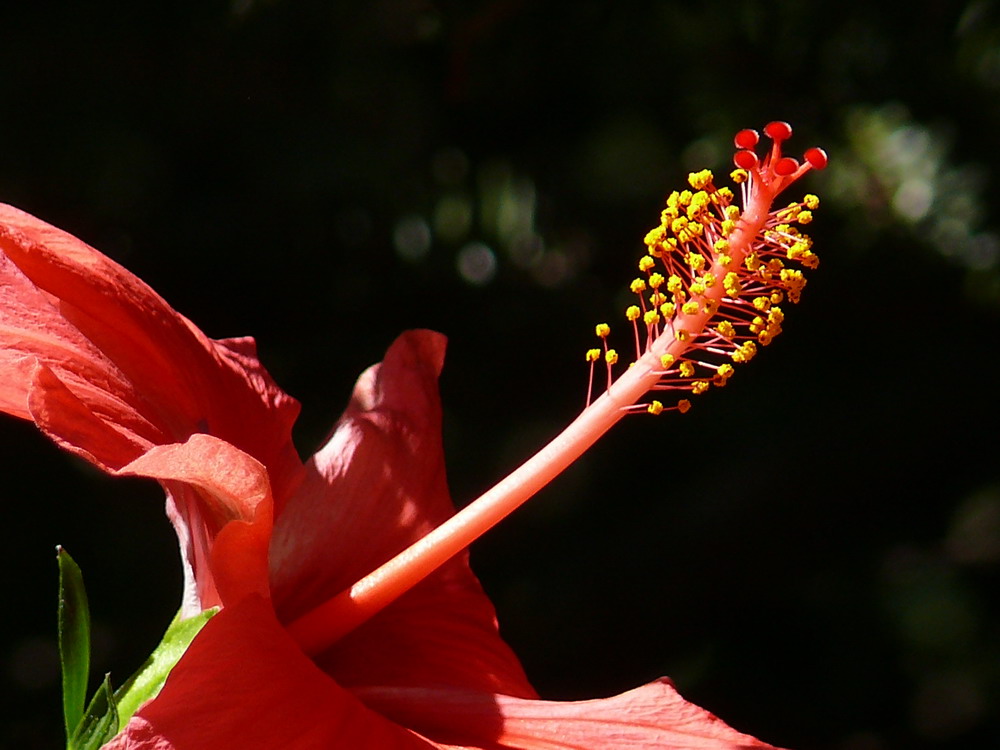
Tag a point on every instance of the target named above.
point(654, 237)
point(700, 180)
point(796, 251)
point(789, 212)
point(745, 352)
point(731, 283)
point(793, 278)
point(696, 261)
point(695, 242)
point(726, 329)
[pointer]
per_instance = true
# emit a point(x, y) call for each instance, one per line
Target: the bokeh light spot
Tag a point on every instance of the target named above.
point(476, 263)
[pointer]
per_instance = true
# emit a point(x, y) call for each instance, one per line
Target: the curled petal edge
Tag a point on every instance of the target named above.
point(234, 493)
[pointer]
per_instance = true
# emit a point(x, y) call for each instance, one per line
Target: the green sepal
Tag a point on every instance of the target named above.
point(100, 722)
point(74, 641)
point(149, 678)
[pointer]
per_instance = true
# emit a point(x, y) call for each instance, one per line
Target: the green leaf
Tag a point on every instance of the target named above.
point(74, 640)
point(100, 722)
point(148, 680)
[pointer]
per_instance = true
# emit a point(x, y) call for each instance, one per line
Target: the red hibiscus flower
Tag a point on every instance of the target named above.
point(109, 371)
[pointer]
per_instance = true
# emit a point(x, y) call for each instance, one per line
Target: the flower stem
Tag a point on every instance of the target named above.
point(668, 342)
point(320, 628)
point(317, 630)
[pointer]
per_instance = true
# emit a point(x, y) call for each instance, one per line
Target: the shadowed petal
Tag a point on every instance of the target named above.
point(235, 500)
point(243, 683)
point(651, 716)
point(134, 362)
point(72, 423)
point(376, 487)
point(108, 370)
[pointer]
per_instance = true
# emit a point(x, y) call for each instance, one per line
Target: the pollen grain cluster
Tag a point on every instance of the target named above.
point(718, 272)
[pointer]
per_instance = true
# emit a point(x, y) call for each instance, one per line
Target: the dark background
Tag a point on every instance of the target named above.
point(813, 552)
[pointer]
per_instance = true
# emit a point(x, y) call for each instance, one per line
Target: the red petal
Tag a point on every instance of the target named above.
point(376, 487)
point(70, 422)
point(235, 501)
point(243, 683)
point(34, 334)
point(138, 366)
point(108, 369)
point(651, 716)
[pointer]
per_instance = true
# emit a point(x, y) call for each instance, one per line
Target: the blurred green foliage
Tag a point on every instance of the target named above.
point(813, 553)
